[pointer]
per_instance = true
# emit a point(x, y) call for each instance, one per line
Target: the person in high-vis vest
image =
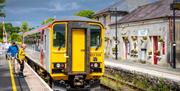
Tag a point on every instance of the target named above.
point(21, 57)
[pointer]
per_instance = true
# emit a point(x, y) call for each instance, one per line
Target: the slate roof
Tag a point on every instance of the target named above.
point(123, 6)
point(158, 9)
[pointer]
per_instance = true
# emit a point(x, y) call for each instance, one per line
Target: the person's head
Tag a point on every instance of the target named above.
point(23, 46)
point(13, 43)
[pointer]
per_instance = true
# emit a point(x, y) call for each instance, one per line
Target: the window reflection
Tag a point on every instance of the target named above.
point(95, 35)
point(59, 35)
point(33, 41)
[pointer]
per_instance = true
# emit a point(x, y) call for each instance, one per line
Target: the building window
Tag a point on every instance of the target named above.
point(33, 41)
point(104, 21)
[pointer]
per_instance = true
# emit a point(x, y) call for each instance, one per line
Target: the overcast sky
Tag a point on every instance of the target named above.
point(35, 11)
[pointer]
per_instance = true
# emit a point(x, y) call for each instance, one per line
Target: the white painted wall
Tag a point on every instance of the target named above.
point(158, 27)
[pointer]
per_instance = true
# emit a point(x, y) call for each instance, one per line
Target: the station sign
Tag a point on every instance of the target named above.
point(142, 32)
point(175, 5)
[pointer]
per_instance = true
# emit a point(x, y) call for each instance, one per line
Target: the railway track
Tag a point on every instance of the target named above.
point(105, 88)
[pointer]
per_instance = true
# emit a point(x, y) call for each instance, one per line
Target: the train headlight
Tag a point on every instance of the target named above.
point(95, 65)
point(58, 65)
point(58, 68)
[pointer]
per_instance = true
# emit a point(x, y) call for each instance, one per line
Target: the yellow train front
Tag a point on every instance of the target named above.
point(70, 51)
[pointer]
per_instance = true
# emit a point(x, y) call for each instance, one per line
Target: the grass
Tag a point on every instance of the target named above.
point(139, 80)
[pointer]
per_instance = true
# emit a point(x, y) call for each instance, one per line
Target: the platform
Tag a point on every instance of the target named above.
point(154, 70)
point(8, 80)
point(12, 82)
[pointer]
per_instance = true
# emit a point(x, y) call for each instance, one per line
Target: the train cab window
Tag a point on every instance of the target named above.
point(59, 35)
point(95, 35)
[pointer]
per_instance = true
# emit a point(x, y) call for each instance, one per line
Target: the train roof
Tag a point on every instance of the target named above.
point(75, 18)
point(65, 19)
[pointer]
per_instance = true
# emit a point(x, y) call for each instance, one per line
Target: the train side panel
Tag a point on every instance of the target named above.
point(38, 48)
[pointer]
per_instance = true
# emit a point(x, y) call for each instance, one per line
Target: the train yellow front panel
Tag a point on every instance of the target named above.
point(78, 50)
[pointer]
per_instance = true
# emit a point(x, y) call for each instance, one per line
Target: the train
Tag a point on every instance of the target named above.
point(68, 52)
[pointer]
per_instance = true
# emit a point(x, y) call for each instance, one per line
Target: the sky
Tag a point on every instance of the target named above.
point(35, 11)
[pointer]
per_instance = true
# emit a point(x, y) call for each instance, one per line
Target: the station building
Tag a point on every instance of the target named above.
point(146, 34)
point(108, 16)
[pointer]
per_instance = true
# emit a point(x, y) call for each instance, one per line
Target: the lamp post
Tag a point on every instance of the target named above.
point(174, 38)
point(114, 11)
point(116, 44)
point(174, 6)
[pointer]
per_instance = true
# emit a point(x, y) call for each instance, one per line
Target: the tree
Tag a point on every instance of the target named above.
point(2, 14)
point(24, 28)
point(10, 29)
point(2, 4)
point(16, 37)
point(47, 21)
point(85, 13)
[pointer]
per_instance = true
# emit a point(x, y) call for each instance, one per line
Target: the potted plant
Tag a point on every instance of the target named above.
point(134, 38)
point(113, 50)
point(144, 37)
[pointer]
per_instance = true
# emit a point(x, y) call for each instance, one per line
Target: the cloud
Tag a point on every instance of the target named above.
point(64, 7)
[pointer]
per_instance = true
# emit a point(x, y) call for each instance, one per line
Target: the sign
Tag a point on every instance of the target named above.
point(175, 5)
point(142, 32)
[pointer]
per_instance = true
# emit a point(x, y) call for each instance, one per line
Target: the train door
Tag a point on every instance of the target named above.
point(46, 48)
point(78, 50)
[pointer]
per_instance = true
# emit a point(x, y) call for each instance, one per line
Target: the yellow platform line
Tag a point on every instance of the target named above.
point(12, 78)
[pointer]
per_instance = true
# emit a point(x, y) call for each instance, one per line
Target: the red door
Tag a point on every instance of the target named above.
point(155, 49)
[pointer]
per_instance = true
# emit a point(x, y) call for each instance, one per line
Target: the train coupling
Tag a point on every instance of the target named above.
point(79, 80)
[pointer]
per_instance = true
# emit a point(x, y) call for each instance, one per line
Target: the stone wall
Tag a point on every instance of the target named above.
point(142, 81)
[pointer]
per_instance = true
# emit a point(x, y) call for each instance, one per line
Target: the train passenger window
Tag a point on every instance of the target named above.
point(33, 41)
point(95, 35)
point(59, 35)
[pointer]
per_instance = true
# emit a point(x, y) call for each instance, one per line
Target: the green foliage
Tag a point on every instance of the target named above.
point(1, 40)
point(10, 29)
point(47, 21)
point(12, 32)
point(24, 27)
point(16, 37)
point(85, 13)
point(2, 1)
point(2, 4)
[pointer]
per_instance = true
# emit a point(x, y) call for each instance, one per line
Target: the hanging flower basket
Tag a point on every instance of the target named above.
point(106, 38)
point(161, 40)
point(150, 53)
point(125, 39)
point(113, 50)
point(134, 38)
point(144, 37)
